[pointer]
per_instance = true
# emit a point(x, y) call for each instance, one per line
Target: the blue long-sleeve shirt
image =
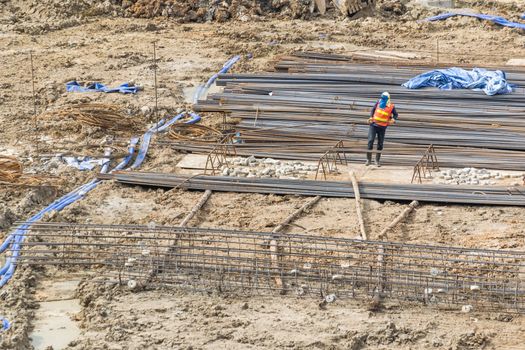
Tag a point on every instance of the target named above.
point(394, 114)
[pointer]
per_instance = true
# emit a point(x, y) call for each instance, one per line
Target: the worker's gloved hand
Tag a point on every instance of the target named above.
point(370, 120)
point(392, 121)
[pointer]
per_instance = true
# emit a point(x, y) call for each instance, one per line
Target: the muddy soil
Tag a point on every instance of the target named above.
point(159, 319)
point(103, 41)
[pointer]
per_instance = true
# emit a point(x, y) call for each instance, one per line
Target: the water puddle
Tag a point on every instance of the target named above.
point(53, 325)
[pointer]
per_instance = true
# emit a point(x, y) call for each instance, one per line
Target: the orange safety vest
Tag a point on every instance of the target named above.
point(382, 116)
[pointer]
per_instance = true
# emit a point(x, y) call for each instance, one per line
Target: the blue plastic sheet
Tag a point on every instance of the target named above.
point(496, 19)
point(5, 324)
point(490, 82)
point(84, 163)
point(126, 88)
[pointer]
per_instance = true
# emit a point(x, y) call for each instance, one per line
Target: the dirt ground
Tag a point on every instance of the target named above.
point(76, 41)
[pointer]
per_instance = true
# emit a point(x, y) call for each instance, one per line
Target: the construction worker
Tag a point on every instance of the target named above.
point(382, 115)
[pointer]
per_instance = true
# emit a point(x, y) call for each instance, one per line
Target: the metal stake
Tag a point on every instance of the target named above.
point(155, 75)
point(34, 100)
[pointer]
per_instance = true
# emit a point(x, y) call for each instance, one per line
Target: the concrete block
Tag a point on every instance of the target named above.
point(516, 62)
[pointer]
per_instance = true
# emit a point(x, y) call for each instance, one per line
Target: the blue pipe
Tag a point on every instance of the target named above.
point(146, 139)
point(201, 90)
point(18, 235)
point(144, 146)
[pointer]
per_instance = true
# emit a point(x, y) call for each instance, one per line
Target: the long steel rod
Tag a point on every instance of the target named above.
point(461, 194)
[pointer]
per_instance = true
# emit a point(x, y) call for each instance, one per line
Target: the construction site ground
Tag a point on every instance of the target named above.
point(115, 50)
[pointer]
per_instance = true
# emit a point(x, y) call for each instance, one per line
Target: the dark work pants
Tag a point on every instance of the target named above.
point(372, 132)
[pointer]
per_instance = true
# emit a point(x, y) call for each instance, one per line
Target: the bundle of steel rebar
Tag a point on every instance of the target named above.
point(11, 173)
point(331, 99)
point(10, 169)
point(94, 114)
point(281, 145)
point(510, 196)
point(339, 108)
point(305, 61)
point(194, 133)
point(242, 262)
point(496, 140)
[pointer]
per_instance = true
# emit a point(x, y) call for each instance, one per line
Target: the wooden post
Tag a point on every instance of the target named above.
point(296, 214)
point(398, 219)
point(34, 100)
point(196, 208)
point(155, 82)
point(172, 244)
point(357, 196)
point(381, 278)
point(274, 246)
point(274, 256)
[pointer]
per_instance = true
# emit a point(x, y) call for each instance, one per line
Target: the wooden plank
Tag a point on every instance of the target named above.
point(398, 219)
point(357, 196)
point(193, 161)
point(274, 245)
point(196, 208)
point(296, 214)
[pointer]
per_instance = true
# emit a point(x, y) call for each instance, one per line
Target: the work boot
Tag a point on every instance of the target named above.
point(378, 157)
point(368, 159)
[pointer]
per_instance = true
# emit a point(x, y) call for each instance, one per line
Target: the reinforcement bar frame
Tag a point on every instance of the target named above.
point(241, 262)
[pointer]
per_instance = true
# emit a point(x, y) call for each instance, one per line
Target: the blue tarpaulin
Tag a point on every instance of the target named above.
point(84, 163)
point(491, 82)
point(5, 325)
point(496, 19)
point(125, 88)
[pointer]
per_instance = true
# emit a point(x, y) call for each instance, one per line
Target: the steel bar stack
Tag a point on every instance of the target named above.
point(510, 196)
point(278, 147)
point(324, 99)
point(241, 262)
